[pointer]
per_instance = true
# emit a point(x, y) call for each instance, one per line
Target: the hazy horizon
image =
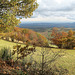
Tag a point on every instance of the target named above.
point(45, 22)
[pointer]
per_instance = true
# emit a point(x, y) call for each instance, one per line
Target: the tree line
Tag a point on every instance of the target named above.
point(23, 35)
point(63, 39)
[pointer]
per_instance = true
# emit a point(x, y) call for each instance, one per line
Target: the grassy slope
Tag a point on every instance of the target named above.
point(4, 43)
point(67, 61)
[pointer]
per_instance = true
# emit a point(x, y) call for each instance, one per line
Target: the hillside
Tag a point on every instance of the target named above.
point(67, 61)
point(26, 35)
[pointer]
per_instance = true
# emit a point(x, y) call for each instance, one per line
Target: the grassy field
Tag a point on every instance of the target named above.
point(67, 61)
point(7, 44)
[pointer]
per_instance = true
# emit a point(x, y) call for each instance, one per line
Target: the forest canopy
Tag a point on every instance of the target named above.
point(63, 39)
point(22, 34)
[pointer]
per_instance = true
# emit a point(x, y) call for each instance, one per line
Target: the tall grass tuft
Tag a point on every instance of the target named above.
point(4, 54)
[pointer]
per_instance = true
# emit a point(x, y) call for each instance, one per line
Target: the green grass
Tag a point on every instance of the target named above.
point(4, 43)
point(7, 44)
point(67, 61)
point(53, 46)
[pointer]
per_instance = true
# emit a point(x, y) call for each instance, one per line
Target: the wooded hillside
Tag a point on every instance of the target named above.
point(23, 35)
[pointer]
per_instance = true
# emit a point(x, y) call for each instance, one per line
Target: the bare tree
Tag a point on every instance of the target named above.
point(47, 66)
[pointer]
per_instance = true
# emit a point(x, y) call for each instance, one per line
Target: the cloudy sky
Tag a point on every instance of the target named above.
point(53, 11)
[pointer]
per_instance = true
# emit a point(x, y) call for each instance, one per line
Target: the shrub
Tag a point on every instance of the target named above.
point(4, 54)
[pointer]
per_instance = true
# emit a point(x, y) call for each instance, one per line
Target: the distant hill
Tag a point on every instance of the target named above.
point(43, 26)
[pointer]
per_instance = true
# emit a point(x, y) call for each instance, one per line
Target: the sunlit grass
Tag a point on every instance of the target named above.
point(67, 61)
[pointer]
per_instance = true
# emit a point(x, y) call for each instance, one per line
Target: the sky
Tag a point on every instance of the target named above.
point(53, 11)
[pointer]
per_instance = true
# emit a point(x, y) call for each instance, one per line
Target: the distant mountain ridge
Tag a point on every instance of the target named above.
point(41, 27)
point(47, 25)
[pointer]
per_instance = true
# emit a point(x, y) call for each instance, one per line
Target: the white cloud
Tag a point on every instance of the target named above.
point(59, 1)
point(54, 10)
point(49, 19)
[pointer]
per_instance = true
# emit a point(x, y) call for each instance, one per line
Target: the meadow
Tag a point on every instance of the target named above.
point(67, 61)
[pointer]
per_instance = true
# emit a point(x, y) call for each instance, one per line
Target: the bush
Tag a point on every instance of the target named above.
point(4, 54)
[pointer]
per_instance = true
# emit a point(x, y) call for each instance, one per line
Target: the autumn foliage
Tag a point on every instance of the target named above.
point(21, 34)
point(63, 39)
